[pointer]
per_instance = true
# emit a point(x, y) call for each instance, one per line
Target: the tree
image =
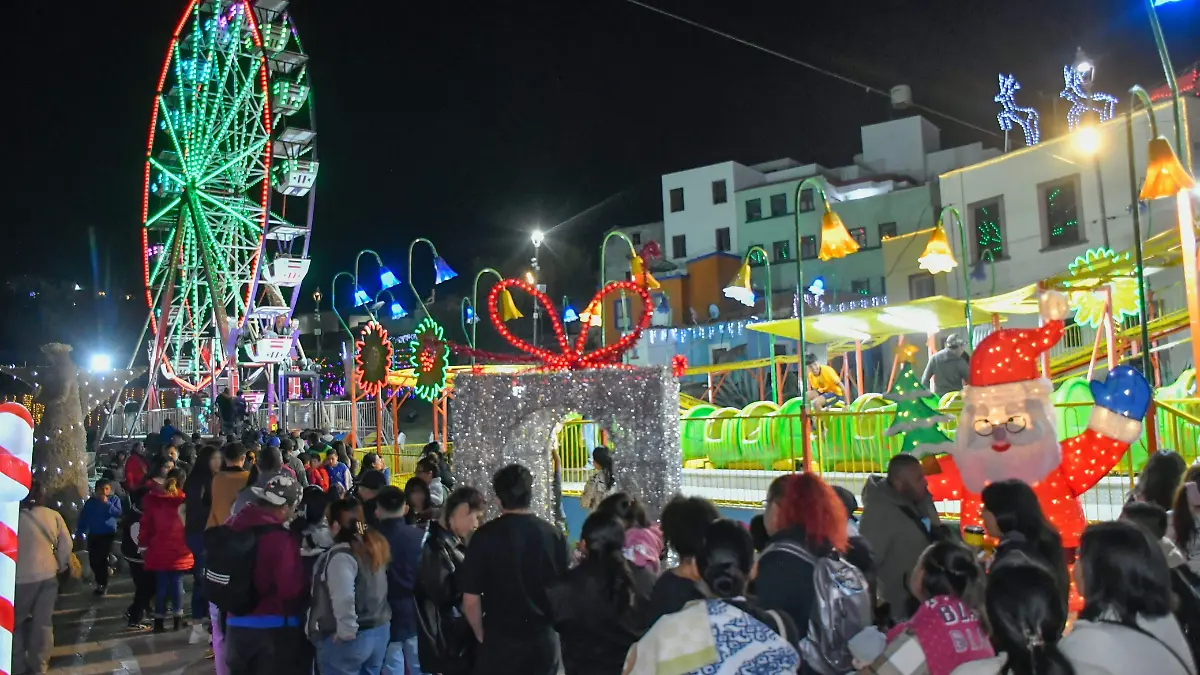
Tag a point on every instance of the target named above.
point(916, 418)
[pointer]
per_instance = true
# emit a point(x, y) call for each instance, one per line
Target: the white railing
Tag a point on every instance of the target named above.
point(293, 414)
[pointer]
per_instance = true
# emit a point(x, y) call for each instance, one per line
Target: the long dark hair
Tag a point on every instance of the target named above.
point(368, 545)
point(603, 538)
point(950, 568)
point(1160, 478)
point(1125, 574)
point(1016, 509)
point(415, 485)
point(625, 508)
point(1027, 617)
point(602, 456)
point(1182, 518)
point(725, 558)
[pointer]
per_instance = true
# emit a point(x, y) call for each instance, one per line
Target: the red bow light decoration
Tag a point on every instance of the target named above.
point(679, 365)
point(571, 357)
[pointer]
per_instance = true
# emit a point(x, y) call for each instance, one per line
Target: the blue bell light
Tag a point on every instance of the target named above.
point(664, 305)
point(398, 311)
point(360, 297)
point(470, 317)
point(387, 279)
point(817, 288)
point(442, 271)
point(569, 315)
point(979, 271)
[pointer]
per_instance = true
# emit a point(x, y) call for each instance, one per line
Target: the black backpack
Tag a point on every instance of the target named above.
point(230, 557)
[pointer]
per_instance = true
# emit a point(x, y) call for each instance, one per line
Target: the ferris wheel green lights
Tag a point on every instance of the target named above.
point(229, 122)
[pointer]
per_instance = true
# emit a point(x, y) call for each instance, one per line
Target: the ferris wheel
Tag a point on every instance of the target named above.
point(228, 192)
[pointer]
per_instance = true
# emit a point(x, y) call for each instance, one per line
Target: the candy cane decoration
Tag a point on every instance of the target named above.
point(16, 452)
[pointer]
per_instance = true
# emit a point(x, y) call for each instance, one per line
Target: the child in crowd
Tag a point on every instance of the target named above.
point(316, 473)
point(339, 474)
point(98, 527)
point(166, 552)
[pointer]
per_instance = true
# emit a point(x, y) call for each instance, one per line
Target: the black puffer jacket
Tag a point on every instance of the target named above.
point(445, 643)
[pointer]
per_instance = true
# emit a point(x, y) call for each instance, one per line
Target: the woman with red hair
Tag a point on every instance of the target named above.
point(806, 520)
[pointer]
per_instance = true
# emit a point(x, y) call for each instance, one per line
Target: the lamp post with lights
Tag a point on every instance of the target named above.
point(740, 289)
point(1169, 71)
point(938, 257)
point(317, 332)
point(537, 237)
point(441, 270)
point(604, 272)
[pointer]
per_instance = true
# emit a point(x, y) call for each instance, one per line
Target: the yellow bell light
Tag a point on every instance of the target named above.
point(938, 256)
point(591, 314)
point(1165, 176)
point(641, 275)
point(739, 288)
point(836, 241)
point(508, 308)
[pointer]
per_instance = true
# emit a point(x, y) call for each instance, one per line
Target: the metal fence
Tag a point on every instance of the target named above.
point(293, 414)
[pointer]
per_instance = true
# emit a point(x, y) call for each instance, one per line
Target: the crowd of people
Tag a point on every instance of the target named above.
point(303, 561)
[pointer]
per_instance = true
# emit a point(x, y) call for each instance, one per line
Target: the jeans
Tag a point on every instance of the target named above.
point(99, 546)
point(195, 544)
point(168, 583)
point(33, 634)
point(263, 651)
point(401, 658)
point(361, 656)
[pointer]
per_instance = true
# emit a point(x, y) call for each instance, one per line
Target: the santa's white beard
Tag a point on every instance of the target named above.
point(1027, 463)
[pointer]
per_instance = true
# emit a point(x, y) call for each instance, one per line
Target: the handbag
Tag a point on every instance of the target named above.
point(903, 656)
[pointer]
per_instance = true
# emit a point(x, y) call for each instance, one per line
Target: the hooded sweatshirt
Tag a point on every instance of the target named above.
point(898, 532)
point(225, 487)
point(279, 582)
point(948, 370)
point(1113, 649)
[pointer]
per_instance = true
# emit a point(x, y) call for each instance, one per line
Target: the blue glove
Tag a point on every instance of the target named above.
point(1125, 392)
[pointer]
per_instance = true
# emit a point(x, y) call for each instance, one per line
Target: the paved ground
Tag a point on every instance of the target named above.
point(91, 638)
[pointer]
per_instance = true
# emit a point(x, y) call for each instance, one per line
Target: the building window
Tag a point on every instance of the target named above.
point(723, 243)
point(808, 247)
point(779, 204)
point(753, 209)
point(886, 231)
point(756, 257)
point(676, 200)
point(987, 229)
point(861, 286)
point(860, 236)
point(636, 238)
point(780, 251)
point(1060, 212)
point(720, 196)
point(920, 286)
point(806, 200)
point(679, 246)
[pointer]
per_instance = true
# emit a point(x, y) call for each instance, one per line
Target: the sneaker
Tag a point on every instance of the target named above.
point(209, 654)
point(100, 591)
point(199, 634)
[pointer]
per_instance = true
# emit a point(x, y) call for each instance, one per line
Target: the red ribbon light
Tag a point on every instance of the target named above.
point(571, 357)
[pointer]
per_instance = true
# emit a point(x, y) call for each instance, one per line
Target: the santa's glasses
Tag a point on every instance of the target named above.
point(1013, 425)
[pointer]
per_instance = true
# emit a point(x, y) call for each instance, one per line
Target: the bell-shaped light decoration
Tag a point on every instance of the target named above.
point(591, 314)
point(398, 311)
point(739, 288)
point(469, 316)
point(1165, 176)
point(508, 308)
point(664, 304)
point(979, 271)
point(387, 279)
point(836, 241)
point(938, 257)
point(442, 271)
point(360, 297)
point(641, 275)
point(569, 314)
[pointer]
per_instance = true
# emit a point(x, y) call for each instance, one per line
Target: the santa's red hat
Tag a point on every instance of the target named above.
point(1010, 355)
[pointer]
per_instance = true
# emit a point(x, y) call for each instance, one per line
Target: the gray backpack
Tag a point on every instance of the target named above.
point(841, 609)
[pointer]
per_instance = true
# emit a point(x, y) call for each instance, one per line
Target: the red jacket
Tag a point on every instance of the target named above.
point(135, 472)
point(162, 534)
point(318, 477)
point(279, 579)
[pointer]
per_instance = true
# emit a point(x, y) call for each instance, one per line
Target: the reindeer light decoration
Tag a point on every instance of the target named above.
point(1011, 113)
point(1082, 101)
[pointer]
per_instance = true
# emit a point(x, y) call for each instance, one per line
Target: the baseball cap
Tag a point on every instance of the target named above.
point(273, 442)
point(373, 480)
point(281, 490)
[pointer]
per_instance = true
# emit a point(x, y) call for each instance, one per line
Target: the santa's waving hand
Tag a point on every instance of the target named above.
point(1006, 429)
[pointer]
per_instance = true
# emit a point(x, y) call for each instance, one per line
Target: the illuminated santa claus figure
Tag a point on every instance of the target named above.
point(1006, 429)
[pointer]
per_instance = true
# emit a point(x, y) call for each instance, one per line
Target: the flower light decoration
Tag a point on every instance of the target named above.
point(372, 357)
point(836, 241)
point(938, 257)
point(1086, 296)
point(679, 365)
point(429, 355)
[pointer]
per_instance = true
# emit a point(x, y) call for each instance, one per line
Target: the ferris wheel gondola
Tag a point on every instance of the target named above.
point(228, 196)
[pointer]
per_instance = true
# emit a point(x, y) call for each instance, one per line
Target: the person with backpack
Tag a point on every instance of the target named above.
point(43, 553)
point(404, 541)
point(143, 581)
point(350, 617)
point(802, 573)
point(445, 643)
point(1185, 584)
point(724, 633)
point(255, 578)
point(165, 549)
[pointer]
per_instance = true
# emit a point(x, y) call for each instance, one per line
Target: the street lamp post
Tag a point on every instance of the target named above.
point(475, 305)
point(740, 289)
point(1139, 94)
point(1087, 142)
point(604, 272)
point(441, 271)
point(938, 258)
point(537, 237)
point(1169, 71)
point(317, 332)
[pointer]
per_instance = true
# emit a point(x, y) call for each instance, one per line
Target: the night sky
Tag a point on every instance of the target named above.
point(472, 122)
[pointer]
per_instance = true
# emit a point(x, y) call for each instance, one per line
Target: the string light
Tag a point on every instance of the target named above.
point(1083, 102)
point(372, 356)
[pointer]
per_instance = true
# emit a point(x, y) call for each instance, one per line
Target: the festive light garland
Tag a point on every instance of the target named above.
point(372, 357)
point(1085, 297)
point(571, 357)
point(429, 355)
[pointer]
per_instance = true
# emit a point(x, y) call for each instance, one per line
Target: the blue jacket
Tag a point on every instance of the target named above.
point(167, 433)
point(405, 542)
point(339, 474)
point(99, 517)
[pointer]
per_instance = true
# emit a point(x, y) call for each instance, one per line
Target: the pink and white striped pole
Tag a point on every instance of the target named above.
point(16, 452)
